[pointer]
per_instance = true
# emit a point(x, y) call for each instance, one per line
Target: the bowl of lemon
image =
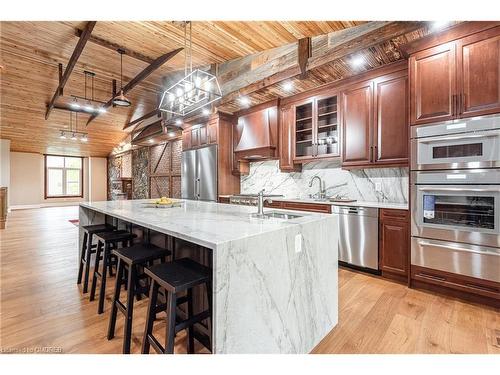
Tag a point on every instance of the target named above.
point(165, 202)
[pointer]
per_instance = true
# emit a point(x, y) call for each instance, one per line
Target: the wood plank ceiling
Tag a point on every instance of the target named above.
point(30, 53)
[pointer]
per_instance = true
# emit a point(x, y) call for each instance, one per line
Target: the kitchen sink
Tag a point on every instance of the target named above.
point(277, 215)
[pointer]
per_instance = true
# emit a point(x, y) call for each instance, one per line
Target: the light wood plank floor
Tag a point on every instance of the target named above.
point(41, 305)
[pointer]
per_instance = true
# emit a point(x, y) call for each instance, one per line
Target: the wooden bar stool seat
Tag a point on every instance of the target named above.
point(179, 276)
point(88, 248)
point(106, 241)
point(132, 258)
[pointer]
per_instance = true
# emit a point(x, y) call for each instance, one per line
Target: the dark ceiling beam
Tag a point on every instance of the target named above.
point(84, 37)
point(141, 76)
point(304, 51)
point(114, 46)
point(246, 75)
point(142, 118)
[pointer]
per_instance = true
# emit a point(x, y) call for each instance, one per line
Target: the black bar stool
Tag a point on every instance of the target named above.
point(106, 242)
point(175, 277)
point(133, 257)
point(88, 248)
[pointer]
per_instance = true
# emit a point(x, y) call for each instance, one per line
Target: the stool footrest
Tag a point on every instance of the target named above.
point(194, 319)
point(155, 344)
point(121, 307)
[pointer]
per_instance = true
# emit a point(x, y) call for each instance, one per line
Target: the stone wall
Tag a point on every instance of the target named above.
point(140, 165)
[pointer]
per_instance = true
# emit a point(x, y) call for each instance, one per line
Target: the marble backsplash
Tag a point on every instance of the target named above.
point(360, 184)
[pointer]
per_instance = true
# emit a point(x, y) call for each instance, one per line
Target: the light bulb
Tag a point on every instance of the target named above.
point(178, 121)
point(288, 86)
point(197, 81)
point(151, 140)
point(205, 111)
point(171, 97)
point(244, 100)
point(208, 85)
point(357, 61)
point(179, 92)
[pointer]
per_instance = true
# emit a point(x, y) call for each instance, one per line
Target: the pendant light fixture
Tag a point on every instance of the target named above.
point(121, 100)
point(193, 92)
point(73, 134)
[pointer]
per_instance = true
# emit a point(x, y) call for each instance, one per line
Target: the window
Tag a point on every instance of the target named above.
point(63, 176)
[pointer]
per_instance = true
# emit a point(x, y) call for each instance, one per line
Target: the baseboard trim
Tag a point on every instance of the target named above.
point(42, 205)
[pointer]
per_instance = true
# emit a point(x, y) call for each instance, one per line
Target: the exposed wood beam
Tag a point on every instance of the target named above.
point(141, 76)
point(304, 53)
point(142, 118)
point(115, 47)
point(84, 37)
point(248, 74)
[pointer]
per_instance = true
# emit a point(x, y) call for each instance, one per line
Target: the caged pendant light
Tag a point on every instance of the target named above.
point(195, 91)
point(121, 100)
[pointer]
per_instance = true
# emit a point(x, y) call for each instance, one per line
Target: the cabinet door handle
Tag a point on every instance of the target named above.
point(375, 156)
point(431, 277)
point(453, 105)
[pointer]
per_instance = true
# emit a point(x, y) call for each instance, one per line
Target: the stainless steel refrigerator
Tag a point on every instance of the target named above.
point(199, 174)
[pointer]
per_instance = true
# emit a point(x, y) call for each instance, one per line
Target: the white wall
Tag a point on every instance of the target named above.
point(98, 171)
point(27, 181)
point(5, 163)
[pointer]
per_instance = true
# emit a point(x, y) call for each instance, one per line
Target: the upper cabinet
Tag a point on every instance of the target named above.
point(374, 122)
point(457, 79)
point(315, 128)
point(357, 124)
point(433, 84)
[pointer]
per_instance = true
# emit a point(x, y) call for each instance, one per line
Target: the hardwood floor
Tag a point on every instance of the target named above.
point(42, 307)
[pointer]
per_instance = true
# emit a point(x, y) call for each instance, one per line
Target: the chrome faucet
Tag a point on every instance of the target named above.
point(260, 202)
point(322, 191)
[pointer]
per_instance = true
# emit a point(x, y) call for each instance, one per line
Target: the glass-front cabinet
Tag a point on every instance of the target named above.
point(317, 128)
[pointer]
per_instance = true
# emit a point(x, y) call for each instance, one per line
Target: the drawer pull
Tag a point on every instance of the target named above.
point(432, 277)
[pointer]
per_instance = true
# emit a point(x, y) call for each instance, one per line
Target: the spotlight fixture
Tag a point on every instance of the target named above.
point(438, 25)
point(62, 136)
point(84, 138)
point(73, 133)
point(121, 100)
point(288, 86)
point(244, 100)
point(357, 61)
point(205, 111)
point(74, 104)
point(73, 137)
point(151, 140)
point(171, 134)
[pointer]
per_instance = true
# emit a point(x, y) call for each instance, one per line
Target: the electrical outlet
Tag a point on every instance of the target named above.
point(298, 243)
point(378, 186)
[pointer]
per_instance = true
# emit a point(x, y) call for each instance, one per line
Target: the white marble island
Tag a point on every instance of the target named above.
point(275, 281)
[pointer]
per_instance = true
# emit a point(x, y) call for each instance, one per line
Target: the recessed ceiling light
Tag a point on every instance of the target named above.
point(171, 134)
point(205, 111)
point(357, 61)
point(438, 25)
point(178, 121)
point(288, 86)
point(244, 100)
point(151, 140)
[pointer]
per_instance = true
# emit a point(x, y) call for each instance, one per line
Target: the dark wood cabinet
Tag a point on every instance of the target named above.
point(433, 84)
point(357, 124)
point(186, 139)
point(478, 73)
point(394, 243)
point(390, 133)
point(316, 128)
point(456, 79)
point(286, 136)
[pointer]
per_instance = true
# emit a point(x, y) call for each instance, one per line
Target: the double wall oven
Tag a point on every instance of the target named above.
point(455, 193)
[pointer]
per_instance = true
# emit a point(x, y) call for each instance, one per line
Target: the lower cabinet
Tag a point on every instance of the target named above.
point(394, 243)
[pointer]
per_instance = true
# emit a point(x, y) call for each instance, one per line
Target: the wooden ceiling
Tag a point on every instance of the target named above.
point(30, 53)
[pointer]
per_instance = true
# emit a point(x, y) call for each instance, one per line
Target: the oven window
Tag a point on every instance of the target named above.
point(457, 151)
point(464, 211)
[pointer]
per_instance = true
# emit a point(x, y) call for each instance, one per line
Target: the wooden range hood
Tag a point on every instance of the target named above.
point(256, 133)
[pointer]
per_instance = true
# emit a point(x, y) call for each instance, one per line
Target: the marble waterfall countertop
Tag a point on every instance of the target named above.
point(275, 282)
point(208, 224)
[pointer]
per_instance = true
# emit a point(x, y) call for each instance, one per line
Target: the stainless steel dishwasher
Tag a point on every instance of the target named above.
point(358, 235)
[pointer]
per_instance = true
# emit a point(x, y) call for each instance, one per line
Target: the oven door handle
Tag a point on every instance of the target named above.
point(458, 248)
point(480, 190)
point(488, 134)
